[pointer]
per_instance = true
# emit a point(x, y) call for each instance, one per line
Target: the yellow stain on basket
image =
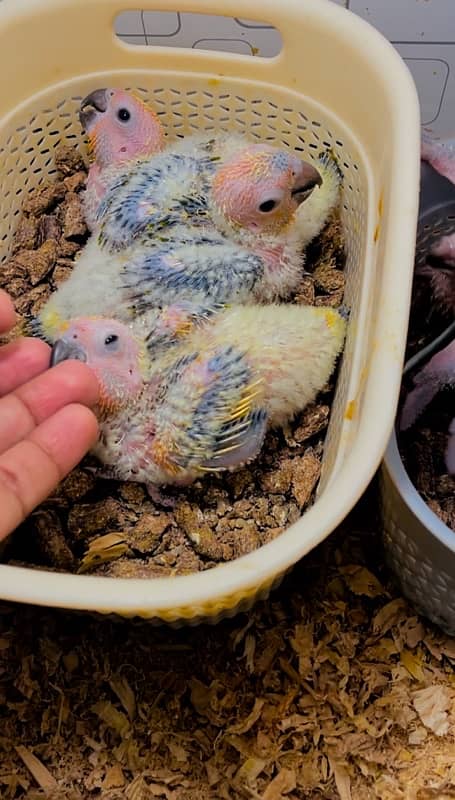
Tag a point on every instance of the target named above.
point(377, 229)
point(350, 410)
point(213, 81)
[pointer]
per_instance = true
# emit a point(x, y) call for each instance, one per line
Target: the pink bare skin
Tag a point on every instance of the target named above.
point(46, 422)
point(440, 153)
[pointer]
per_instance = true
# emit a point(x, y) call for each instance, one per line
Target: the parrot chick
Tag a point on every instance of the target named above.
point(255, 251)
point(438, 373)
point(187, 257)
point(120, 128)
point(206, 405)
point(273, 202)
point(244, 192)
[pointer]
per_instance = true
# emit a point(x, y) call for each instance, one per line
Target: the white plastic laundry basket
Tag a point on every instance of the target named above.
point(336, 83)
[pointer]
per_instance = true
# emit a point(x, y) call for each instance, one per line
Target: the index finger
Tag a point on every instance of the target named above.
point(30, 404)
point(7, 313)
point(31, 469)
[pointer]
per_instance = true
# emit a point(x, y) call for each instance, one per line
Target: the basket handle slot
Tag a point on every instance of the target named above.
point(253, 12)
point(198, 31)
point(300, 31)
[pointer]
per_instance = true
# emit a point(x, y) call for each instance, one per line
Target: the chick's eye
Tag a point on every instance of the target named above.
point(123, 114)
point(268, 205)
point(110, 339)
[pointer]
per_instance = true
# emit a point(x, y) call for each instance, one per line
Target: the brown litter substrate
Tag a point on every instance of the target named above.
point(115, 529)
point(331, 690)
point(422, 450)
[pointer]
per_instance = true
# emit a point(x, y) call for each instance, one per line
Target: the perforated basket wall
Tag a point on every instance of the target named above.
point(337, 83)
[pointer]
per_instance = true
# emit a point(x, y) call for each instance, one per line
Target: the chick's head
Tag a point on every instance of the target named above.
point(120, 127)
point(113, 353)
point(261, 187)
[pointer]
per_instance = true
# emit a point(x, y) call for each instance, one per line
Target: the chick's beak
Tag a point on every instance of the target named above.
point(95, 103)
point(64, 350)
point(305, 182)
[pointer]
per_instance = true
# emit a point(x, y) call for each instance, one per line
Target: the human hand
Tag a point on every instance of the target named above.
point(46, 425)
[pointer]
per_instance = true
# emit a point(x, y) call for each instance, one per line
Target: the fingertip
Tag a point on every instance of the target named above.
point(83, 422)
point(37, 348)
point(32, 468)
point(80, 378)
point(7, 312)
point(67, 436)
point(83, 432)
point(21, 360)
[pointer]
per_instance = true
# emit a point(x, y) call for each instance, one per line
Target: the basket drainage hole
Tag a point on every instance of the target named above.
point(173, 29)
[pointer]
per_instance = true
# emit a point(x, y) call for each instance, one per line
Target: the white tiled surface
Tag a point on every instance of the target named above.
point(423, 31)
point(200, 31)
point(409, 20)
point(433, 69)
point(163, 23)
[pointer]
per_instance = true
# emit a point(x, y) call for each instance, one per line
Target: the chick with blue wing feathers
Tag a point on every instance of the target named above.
point(255, 196)
point(227, 149)
point(154, 193)
point(252, 252)
point(123, 133)
point(120, 129)
point(236, 193)
point(152, 197)
point(224, 223)
point(170, 414)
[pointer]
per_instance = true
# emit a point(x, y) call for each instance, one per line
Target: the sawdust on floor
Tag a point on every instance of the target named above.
point(333, 689)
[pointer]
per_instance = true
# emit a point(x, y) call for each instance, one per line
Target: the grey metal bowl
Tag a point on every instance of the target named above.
point(420, 548)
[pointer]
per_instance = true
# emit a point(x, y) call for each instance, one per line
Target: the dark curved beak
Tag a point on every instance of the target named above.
point(95, 103)
point(63, 351)
point(309, 178)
